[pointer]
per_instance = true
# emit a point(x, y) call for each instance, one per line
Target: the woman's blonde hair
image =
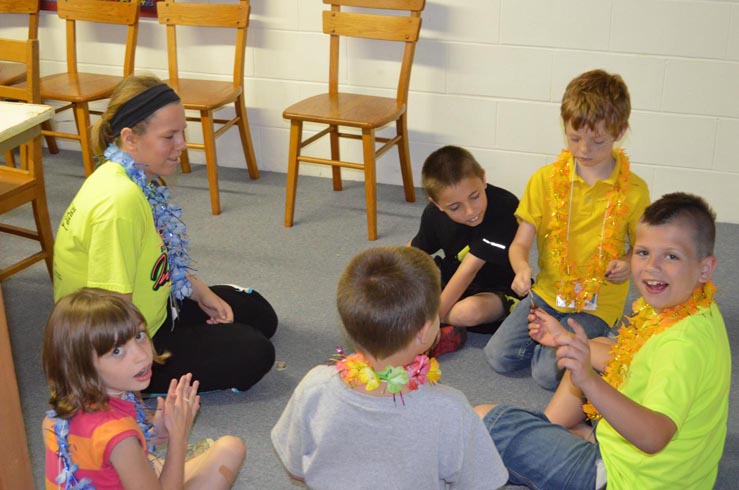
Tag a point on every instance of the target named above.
point(128, 88)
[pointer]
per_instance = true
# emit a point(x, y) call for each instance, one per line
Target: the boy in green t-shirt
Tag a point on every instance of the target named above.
point(662, 400)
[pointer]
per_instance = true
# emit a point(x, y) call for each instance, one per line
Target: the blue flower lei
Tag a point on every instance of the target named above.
point(61, 428)
point(167, 219)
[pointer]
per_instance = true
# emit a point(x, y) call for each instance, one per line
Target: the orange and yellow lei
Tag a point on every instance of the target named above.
point(642, 326)
point(611, 240)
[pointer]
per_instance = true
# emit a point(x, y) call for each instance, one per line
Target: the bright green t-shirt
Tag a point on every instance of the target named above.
point(684, 373)
point(107, 239)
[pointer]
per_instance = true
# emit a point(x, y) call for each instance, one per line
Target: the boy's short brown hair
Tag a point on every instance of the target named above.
point(597, 96)
point(689, 211)
point(385, 296)
point(446, 167)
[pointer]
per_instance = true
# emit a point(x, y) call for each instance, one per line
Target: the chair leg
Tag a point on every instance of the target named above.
point(41, 215)
point(211, 160)
point(82, 117)
point(40, 206)
point(335, 155)
point(404, 155)
point(50, 140)
point(246, 142)
point(185, 162)
point(296, 131)
point(370, 187)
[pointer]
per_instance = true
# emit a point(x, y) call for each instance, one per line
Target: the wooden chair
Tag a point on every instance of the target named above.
point(77, 89)
point(361, 112)
point(208, 96)
point(14, 73)
point(19, 186)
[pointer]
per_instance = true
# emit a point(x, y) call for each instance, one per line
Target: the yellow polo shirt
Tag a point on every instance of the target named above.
point(586, 223)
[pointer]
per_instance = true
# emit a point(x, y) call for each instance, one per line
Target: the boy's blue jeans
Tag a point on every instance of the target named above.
point(511, 348)
point(539, 454)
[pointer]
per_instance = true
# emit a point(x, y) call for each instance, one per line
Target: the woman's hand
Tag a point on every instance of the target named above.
point(218, 311)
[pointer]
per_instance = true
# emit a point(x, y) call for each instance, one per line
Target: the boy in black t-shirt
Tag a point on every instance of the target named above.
point(473, 224)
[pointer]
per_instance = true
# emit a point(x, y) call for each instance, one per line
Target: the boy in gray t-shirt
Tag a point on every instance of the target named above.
point(376, 419)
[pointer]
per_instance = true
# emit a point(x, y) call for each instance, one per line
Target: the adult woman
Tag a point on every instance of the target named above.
point(121, 233)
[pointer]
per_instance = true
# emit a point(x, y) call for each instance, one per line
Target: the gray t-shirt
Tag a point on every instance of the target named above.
point(337, 438)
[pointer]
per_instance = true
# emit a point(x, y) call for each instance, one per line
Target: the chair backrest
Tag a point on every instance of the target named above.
point(374, 23)
point(25, 52)
point(235, 16)
point(30, 7)
point(100, 11)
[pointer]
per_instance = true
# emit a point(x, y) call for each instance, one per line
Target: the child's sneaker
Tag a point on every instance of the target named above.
point(451, 339)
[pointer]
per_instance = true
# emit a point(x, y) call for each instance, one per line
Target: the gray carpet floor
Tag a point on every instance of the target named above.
point(297, 270)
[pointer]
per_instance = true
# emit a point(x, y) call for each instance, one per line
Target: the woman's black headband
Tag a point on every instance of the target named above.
point(141, 106)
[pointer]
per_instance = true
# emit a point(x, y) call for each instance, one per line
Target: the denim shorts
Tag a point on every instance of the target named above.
point(511, 348)
point(539, 454)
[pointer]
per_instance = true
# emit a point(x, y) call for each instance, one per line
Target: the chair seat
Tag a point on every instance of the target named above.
point(12, 73)
point(78, 87)
point(354, 110)
point(206, 95)
point(14, 184)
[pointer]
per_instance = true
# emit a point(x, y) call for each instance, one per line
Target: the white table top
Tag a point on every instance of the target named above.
point(16, 117)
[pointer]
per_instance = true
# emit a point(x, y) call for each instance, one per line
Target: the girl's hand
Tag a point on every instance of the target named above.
point(158, 422)
point(617, 271)
point(180, 407)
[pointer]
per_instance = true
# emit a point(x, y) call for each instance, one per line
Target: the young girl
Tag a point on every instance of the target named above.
point(96, 355)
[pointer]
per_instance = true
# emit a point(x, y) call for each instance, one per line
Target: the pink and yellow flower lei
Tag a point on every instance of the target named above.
point(642, 326)
point(611, 240)
point(356, 371)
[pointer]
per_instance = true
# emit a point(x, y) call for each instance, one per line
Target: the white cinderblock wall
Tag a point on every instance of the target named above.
point(488, 75)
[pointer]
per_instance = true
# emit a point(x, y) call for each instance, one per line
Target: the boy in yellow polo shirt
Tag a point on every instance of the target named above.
point(582, 210)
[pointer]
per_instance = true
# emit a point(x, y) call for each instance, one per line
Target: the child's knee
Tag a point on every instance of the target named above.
point(546, 374)
point(231, 451)
point(464, 314)
point(505, 354)
point(497, 359)
point(476, 310)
